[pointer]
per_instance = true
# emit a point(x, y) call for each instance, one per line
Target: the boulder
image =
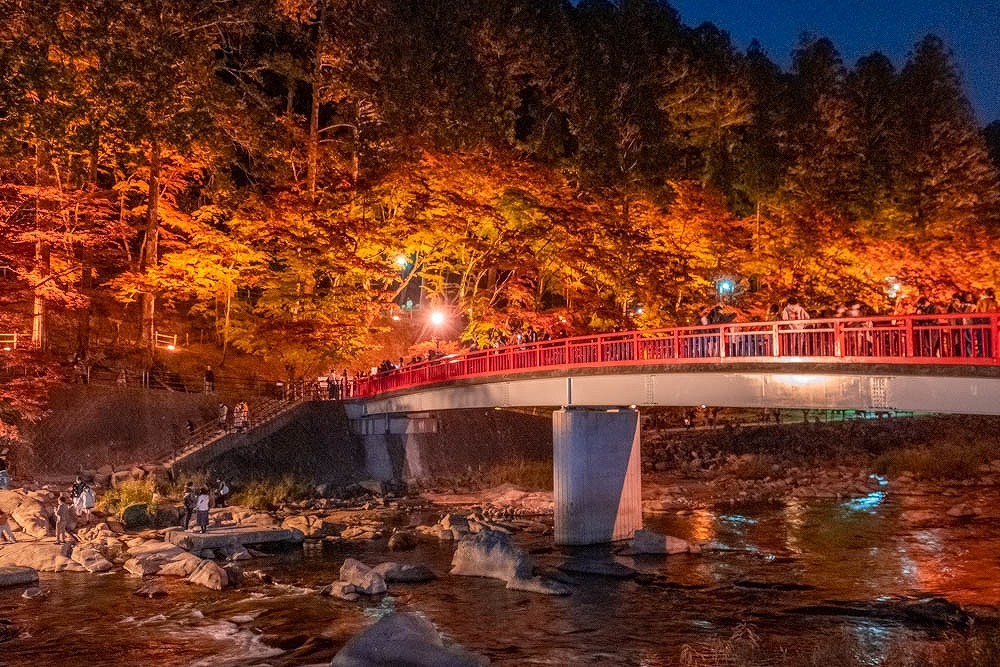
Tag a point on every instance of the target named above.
point(234, 573)
point(235, 551)
point(17, 575)
point(143, 566)
point(118, 477)
point(136, 516)
point(151, 588)
point(402, 541)
point(365, 579)
point(404, 574)
point(92, 559)
point(42, 556)
point(209, 575)
point(648, 542)
point(344, 591)
point(491, 554)
point(33, 517)
point(403, 639)
point(10, 500)
point(456, 522)
point(182, 565)
point(34, 593)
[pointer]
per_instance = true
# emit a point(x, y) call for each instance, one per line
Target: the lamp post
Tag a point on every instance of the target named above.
point(437, 319)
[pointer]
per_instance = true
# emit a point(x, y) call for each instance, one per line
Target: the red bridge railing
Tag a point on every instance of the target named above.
point(955, 339)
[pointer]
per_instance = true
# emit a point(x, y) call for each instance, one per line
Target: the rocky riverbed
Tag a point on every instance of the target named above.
point(751, 552)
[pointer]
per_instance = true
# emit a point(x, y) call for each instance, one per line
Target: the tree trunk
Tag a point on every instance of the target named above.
point(150, 246)
point(39, 331)
point(312, 165)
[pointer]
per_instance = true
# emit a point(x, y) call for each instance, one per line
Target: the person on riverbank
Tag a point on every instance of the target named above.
point(221, 493)
point(201, 506)
point(83, 503)
point(64, 514)
point(77, 488)
point(8, 537)
point(190, 503)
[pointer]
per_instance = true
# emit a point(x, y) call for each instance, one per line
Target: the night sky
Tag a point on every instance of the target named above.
point(858, 27)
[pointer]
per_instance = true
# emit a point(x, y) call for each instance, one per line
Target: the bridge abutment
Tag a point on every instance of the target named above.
point(597, 475)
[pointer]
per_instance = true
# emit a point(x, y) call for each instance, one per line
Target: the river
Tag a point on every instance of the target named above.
point(764, 591)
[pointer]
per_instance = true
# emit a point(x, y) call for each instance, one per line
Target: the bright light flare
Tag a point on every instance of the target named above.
point(171, 348)
point(437, 318)
point(401, 260)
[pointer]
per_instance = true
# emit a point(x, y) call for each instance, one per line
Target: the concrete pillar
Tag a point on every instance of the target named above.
point(392, 444)
point(597, 475)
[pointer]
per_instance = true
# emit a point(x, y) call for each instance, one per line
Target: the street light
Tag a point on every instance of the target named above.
point(437, 318)
point(402, 261)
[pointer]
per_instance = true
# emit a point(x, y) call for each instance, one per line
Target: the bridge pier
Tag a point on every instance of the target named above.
point(597, 475)
point(392, 444)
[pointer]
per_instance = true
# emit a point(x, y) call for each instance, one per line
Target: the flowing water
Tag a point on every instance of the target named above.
point(775, 569)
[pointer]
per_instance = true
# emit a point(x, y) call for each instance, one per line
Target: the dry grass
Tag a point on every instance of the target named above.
point(271, 494)
point(943, 460)
point(528, 475)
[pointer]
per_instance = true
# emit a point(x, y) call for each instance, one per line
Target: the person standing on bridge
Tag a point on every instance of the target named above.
point(209, 380)
point(793, 311)
point(987, 303)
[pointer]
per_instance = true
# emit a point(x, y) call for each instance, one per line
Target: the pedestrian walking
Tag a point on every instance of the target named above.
point(83, 503)
point(201, 506)
point(223, 412)
point(209, 380)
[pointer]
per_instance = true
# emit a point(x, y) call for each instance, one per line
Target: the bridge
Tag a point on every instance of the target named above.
point(920, 363)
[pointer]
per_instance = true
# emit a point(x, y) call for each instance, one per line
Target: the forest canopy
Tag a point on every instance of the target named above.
point(282, 176)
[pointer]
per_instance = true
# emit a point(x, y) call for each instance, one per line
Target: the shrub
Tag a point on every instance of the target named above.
point(944, 460)
point(267, 494)
point(130, 492)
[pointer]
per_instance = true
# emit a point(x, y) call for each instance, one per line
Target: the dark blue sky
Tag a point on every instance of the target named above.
point(858, 27)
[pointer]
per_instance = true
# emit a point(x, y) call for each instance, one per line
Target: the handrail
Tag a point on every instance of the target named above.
point(14, 339)
point(949, 339)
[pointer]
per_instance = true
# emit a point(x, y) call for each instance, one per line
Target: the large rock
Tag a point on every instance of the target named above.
point(312, 526)
point(209, 575)
point(182, 565)
point(136, 516)
point(33, 517)
point(648, 542)
point(403, 639)
point(403, 574)
point(143, 566)
point(344, 591)
point(363, 578)
point(402, 541)
point(42, 556)
point(10, 500)
point(491, 554)
point(16, 575)
point(92, 559)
